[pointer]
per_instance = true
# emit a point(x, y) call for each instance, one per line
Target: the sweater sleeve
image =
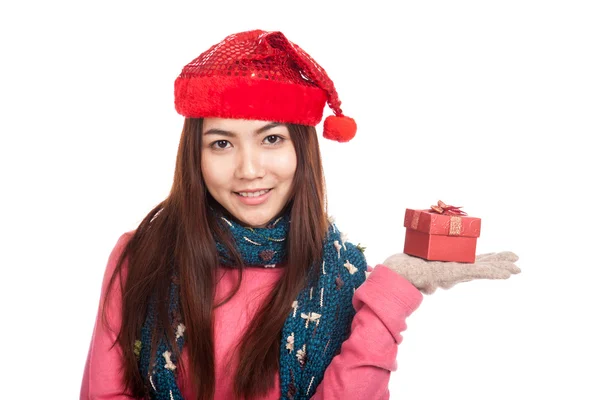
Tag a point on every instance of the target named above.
point(362, 369)
point(102, 378)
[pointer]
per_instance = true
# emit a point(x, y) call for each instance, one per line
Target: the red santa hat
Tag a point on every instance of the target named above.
point(261, 75)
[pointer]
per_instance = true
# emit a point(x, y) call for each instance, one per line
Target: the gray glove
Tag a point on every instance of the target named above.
point(427, 276)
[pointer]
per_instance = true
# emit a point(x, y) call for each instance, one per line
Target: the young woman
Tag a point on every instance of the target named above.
point(238, 285)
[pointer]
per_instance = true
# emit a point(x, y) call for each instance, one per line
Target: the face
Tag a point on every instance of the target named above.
point(248, 167)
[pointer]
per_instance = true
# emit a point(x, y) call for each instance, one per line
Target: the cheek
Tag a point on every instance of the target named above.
point(285, 165)
point(213, 173)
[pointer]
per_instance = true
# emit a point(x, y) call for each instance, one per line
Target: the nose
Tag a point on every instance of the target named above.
point(249, 164)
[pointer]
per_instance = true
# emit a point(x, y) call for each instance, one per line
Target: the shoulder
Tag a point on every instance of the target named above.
point(120, 246)
point(122, 242)
point(115, 256)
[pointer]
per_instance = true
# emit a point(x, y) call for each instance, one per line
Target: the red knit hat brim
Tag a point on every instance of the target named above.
point(248, 98)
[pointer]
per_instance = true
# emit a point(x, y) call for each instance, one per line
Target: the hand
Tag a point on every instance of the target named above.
point(427, 276)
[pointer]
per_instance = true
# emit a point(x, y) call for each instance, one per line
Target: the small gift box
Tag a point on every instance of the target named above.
point(442, 233)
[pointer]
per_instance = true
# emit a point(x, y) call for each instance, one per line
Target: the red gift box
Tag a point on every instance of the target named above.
point(442, 233)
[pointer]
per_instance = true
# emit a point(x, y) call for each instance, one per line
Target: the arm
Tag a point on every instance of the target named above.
point(362, 369)
point(102, 373)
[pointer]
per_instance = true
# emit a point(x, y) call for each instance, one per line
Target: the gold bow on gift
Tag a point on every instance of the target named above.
point(444, 209)
point(455, 219)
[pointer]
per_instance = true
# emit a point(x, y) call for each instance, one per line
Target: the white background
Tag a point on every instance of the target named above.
point(492, 106)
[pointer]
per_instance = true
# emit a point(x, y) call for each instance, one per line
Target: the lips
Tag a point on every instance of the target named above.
point(254, 199)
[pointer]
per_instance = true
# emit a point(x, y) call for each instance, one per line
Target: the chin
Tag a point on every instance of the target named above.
point(258, 218)
point(256, 222)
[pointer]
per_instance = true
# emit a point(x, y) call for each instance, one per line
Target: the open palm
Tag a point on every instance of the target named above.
point(427, 276)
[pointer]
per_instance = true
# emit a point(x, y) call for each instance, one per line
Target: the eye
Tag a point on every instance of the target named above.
point(219, 144)
point(274, 139)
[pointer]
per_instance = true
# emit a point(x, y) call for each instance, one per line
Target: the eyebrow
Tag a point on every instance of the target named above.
point(223, 132)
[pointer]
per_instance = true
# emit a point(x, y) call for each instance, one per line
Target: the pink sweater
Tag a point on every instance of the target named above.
point(361, 371)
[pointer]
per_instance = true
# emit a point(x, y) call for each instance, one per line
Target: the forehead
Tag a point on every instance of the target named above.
point(239, 126)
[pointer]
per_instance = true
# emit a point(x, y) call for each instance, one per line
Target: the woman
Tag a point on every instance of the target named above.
point(238, 285)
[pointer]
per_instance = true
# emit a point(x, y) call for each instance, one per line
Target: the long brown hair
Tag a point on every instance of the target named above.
point(179, 235)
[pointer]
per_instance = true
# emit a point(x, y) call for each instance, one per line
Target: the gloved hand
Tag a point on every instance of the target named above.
point(427, 276)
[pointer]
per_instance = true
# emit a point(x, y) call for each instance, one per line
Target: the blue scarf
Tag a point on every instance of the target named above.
point(319, 320)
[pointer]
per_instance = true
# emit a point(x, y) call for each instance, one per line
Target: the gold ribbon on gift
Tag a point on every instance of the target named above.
point(443, 209)
point(455, 220)
point(455, 226)
point(415, 220)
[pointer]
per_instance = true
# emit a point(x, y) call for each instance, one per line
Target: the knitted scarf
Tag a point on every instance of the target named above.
point(313, 333)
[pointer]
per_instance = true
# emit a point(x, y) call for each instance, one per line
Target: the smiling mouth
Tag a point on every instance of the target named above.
point(253, 194)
